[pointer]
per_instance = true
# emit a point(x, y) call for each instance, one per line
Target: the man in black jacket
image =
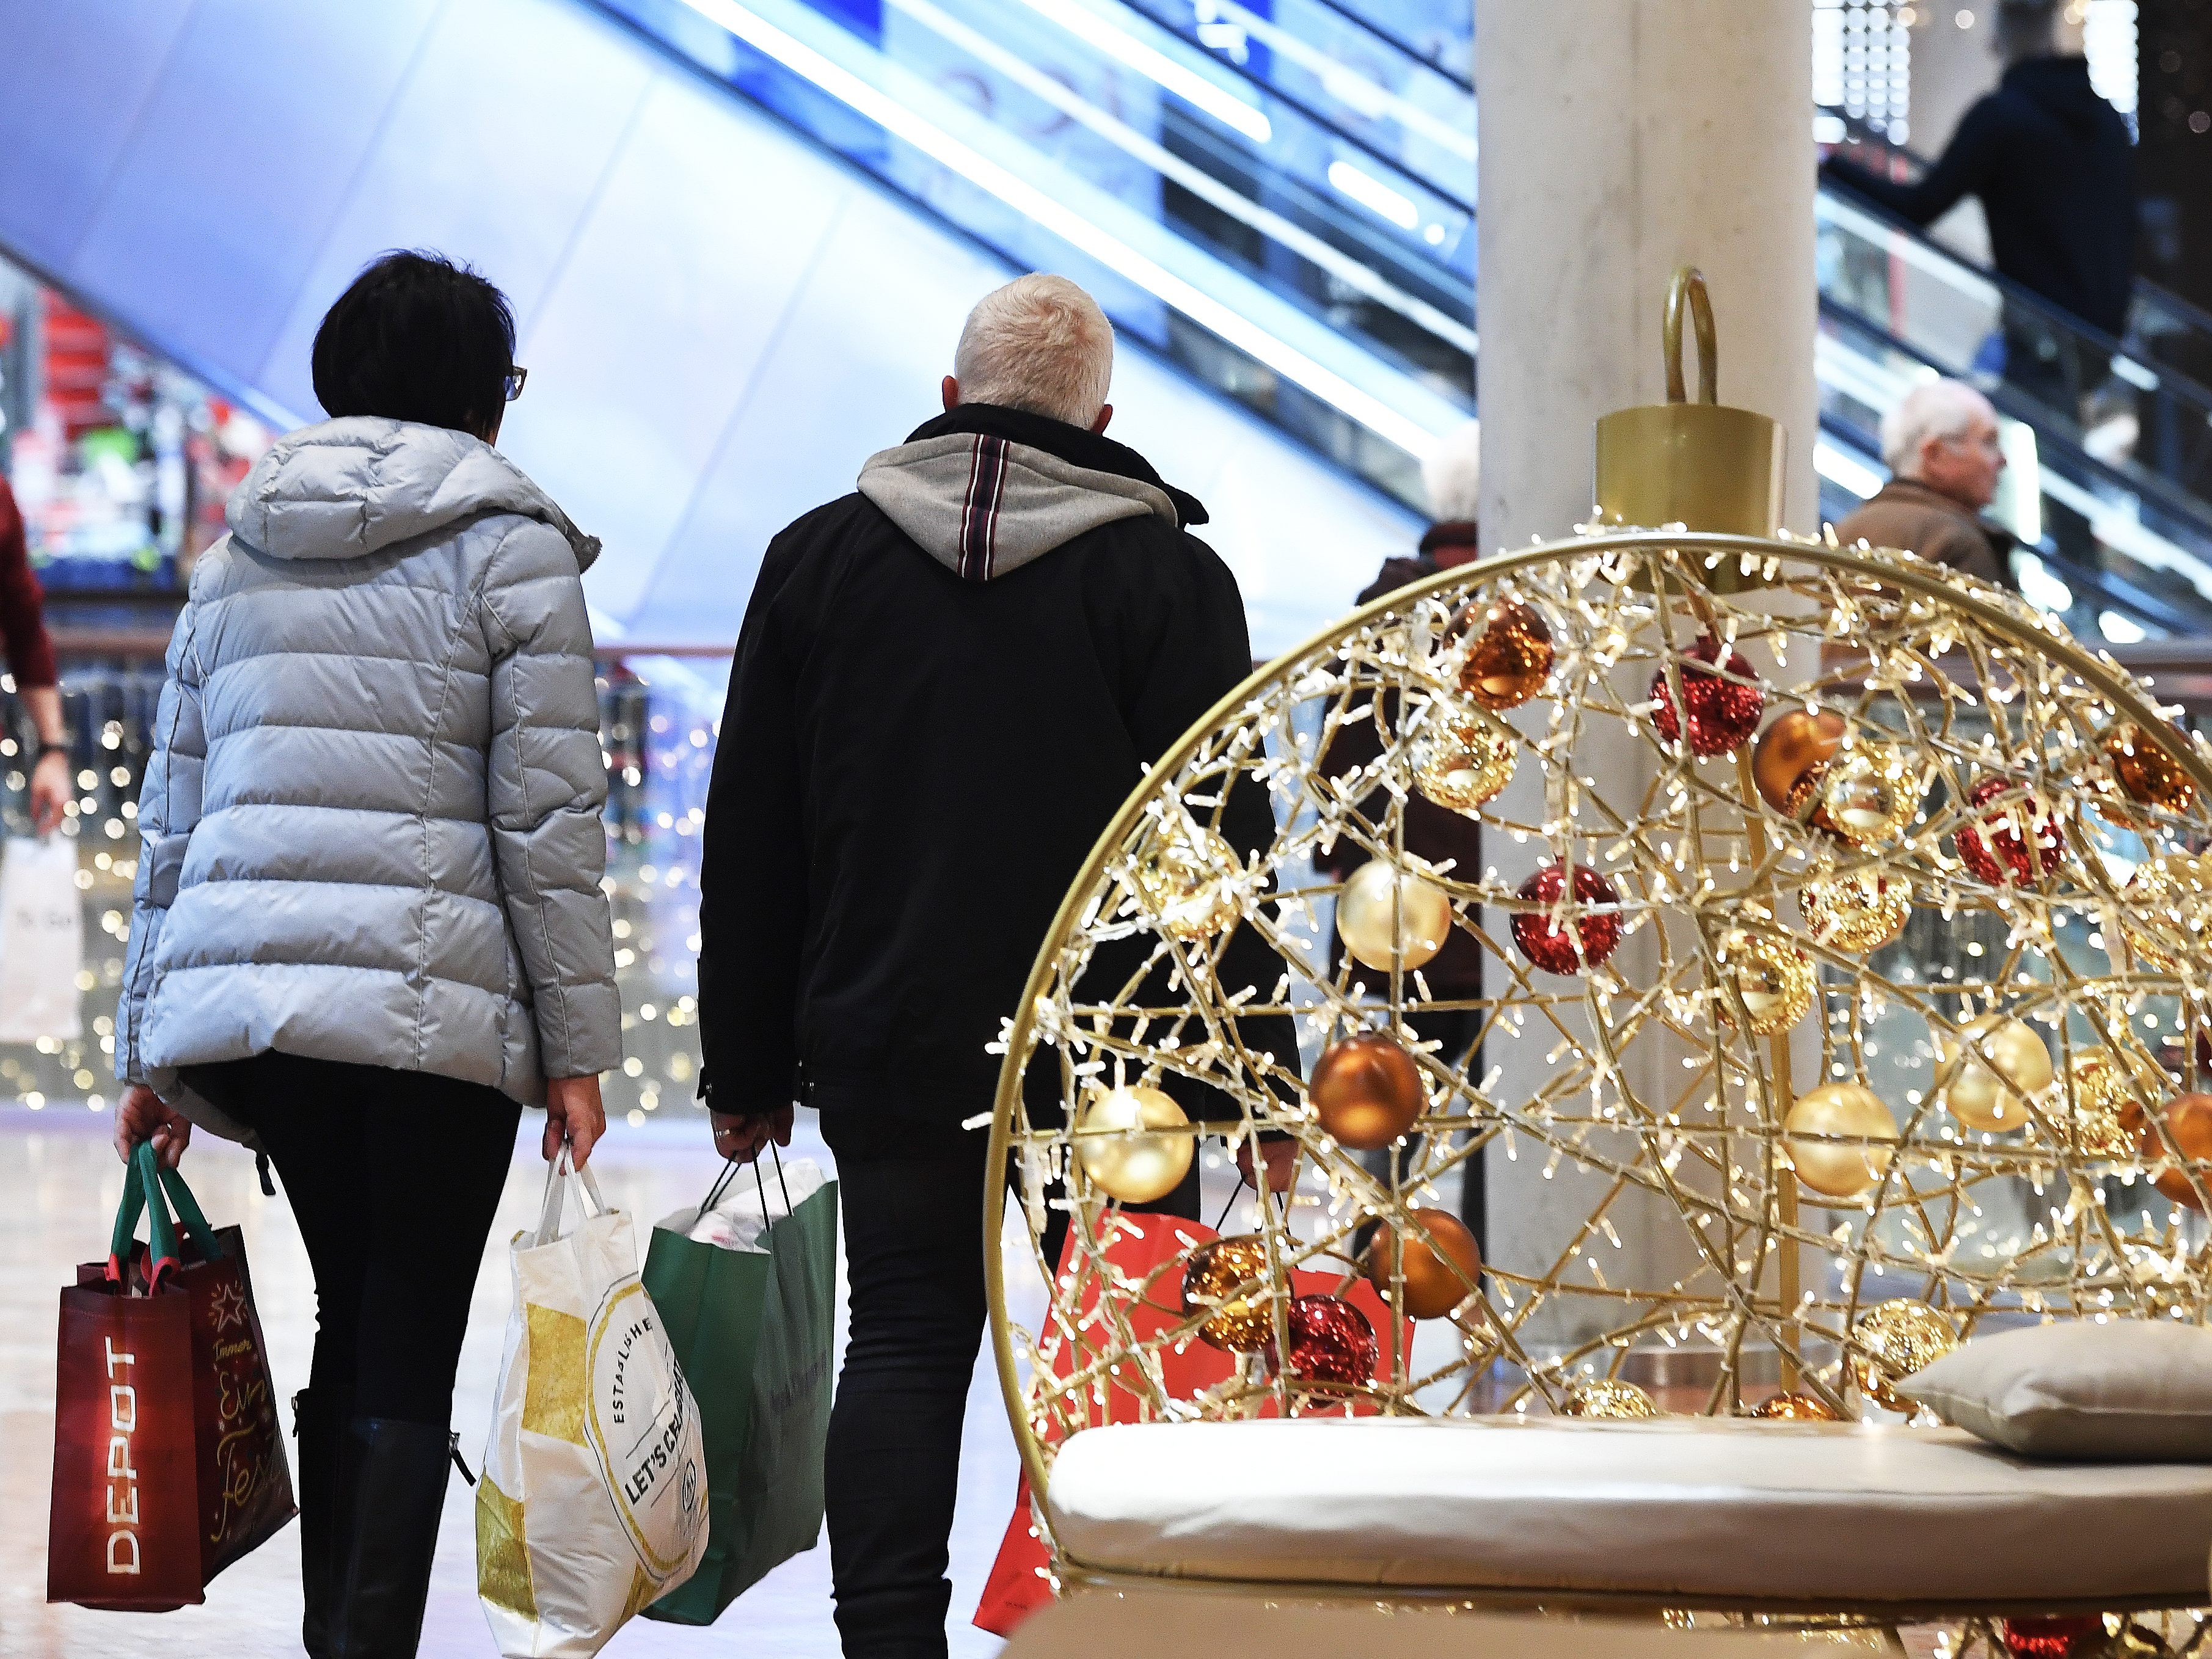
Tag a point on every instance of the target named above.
point(947, 685)
point(2055, 170)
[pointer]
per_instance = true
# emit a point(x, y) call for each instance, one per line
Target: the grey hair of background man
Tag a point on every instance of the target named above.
point(1452, 473)
point(1933, 409)
point(1040, 343)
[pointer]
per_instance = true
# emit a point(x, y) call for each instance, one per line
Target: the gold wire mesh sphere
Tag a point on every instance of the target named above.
point(1633, 1114)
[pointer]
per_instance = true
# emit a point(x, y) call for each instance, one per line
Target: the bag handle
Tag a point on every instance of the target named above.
point(558, 1179)
point(190, 1215)
point(730, 1173)
point(141, 1190)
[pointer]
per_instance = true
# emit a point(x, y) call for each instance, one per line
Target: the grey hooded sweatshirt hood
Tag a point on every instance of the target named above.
point(370, 826)
point(979, 500)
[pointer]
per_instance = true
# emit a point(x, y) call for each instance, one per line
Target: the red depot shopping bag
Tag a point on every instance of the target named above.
point(237, 1481)
point(124, 1530)
point(1139, 1246)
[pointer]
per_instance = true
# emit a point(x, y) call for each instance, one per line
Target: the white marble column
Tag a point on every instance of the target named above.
point(1619, 139)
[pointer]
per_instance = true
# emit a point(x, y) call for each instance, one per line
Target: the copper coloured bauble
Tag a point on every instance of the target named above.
point(2143, 768)
point(1331, 1342)
point(1796, 1408)
point(2187, 1140)
point(1509, 662)
point(2009, 843)
point(1553, 947)
point(1236, 1320)
point(1893, 1340)
point(1723, 695)
point(1366, 1090)
point(1796, 744)
point(1432, 1288)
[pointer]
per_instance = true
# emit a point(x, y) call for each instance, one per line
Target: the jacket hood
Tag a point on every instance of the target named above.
point(2060, 87)
point(984, 490)
point(354, 486)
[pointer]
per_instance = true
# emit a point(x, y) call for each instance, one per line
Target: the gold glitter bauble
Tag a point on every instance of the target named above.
point(1510, 662)
point(2108, 1103)
point(1796, 1408)
point(1834, 1135)
point(2174, 892)
point(1892, 1341)
point(1121, 1157)
point(2004, 1062)
point(1186, 880)
point(1379, 907)
point(1858, 910)
point(1775, 981)
point(1608, 1398)
point(1210, 1278)
point(1461, 764)
point(2150, 775)
point(1867, 794)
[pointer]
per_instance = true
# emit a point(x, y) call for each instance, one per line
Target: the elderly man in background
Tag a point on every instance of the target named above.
point(946, 684)
point(1941, 445)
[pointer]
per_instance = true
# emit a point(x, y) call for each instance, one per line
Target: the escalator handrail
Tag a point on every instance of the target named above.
point(2176, 504)
point(2101, 585)
point(1393, 43)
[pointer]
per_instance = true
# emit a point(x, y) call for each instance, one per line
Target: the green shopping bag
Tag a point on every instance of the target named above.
point(750, 1309)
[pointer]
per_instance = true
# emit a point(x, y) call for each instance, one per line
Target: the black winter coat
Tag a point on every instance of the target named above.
point(947, 685)
point(2055, 170)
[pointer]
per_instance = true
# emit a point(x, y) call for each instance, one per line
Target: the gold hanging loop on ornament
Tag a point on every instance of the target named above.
point(1704, 464)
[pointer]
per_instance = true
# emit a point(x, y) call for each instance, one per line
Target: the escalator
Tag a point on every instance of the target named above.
point(1280, 196)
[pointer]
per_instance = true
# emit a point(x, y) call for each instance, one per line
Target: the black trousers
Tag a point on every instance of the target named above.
point(913, 1209)
point(393, 1177)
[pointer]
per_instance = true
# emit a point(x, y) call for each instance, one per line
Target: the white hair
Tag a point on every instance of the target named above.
point(1039, 344)
point(1933, 409)
point(1452, 472)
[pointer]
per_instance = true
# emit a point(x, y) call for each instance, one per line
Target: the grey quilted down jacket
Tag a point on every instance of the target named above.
point(371, 822)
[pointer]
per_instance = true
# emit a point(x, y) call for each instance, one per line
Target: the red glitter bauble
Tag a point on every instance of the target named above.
point(1996, 849)
point(1553, 948)
point(2059, 1637)
point(1723, 711)
point(1331, 1342)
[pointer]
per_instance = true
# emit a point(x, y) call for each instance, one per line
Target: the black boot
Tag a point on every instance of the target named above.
point(314, 1426)
point(394, 1486)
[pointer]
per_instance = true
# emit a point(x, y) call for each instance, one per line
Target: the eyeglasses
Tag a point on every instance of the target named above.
point(515, 376)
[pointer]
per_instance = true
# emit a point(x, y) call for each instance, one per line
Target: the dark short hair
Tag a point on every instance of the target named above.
point(416, 338)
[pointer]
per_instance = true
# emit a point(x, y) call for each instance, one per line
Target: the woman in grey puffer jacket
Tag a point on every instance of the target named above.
point(369, 925)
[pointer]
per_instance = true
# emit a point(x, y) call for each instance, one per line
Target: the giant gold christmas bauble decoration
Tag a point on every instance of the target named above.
point(1186, 877)
point(1867, 794)
point(2167, 899)
point(1893, 1340)
point(1857, 910)
point(1366, 1090)
point(1775, 981)
point(1461, 764)
point(1608, 1398)
point(1790, 750)
point(1433, 1289)
point(2187, 1140)
point(2002, 1062)
point(1380, 907)
point(1511, 660)
point(1237, 1323)
point(1840, 1136)
point(1118, 1140)
point(2150, 777)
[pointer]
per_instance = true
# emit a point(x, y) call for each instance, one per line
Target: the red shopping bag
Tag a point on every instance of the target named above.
point(1139, 1247)
point(168, 1457)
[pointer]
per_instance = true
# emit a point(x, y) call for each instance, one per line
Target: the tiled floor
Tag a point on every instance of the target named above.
point(59, 1186)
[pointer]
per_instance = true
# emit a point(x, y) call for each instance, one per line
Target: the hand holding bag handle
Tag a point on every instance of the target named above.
point(557, 1181)
point(730, 1173)
point(141, 1190)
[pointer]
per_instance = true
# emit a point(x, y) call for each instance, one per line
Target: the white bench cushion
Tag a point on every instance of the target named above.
point(1817, 1514)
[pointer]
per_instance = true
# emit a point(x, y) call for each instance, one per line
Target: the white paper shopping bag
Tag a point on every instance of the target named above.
point(593, 1496)
point(41, 941)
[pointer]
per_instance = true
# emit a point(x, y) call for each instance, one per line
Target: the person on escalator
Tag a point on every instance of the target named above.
point(946, 684)
point(2054, 169)
point(1941, 445)
point(30, 659)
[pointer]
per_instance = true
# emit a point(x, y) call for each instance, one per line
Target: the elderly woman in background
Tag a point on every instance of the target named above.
point(369, 928)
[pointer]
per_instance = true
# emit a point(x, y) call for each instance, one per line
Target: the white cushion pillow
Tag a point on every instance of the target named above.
point(2128, 1390)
